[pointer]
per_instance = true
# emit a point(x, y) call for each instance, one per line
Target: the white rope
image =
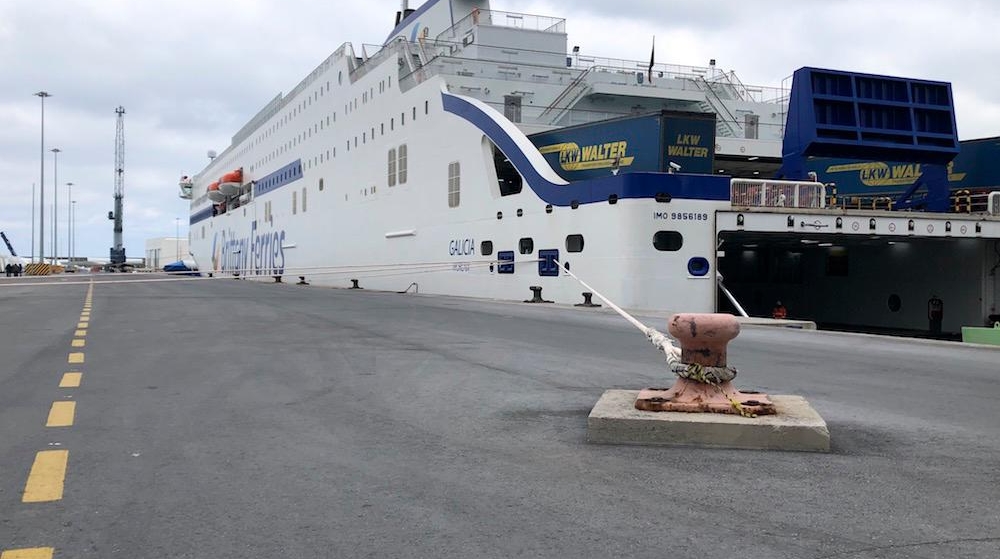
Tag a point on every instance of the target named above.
point(657, 338)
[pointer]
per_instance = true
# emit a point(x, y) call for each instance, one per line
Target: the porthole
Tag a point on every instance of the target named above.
point(574, 243)
point(669, 241)
point(526, 245)
point(486, 248)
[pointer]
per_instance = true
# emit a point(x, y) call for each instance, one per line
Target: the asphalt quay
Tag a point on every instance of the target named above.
point(231, 418)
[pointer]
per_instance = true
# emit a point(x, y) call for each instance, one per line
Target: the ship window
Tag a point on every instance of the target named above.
point(383, 129)
point(402, 119)
point(512, 107)
point(509, 179)
point(574, 243)
point(328, 121)
point(486, 248)
point(454, 184)
point(340, 77)
point(364, 137)
point(668, 241)
point(295, 205)
point(321, 185)
point(392, 167)
point(526, 245)
point(414, 113)
point(402, 164)
point(427, 107)
point(202, 231)
point(303, 199)
point(392, 124)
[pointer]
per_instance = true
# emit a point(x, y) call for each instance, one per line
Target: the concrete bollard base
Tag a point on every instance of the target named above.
point(795, 426)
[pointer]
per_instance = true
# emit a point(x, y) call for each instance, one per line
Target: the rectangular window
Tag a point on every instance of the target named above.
point(303, 199)
point(294, 202)
point(454, 184)
point(402, 164)
point(392, 167)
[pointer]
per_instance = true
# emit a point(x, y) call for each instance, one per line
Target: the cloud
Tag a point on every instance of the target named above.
point(191, 73)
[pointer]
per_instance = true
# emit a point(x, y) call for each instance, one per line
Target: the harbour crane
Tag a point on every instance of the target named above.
point(117, 263)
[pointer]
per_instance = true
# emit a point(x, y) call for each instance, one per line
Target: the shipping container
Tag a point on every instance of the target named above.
point(639, 143)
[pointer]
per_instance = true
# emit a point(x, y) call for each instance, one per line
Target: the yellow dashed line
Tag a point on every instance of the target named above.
point(70, 380)
point(48, 473)
point(61, 414)
point(82, 325)
point(33, 553)
point(80, 333)
point(76, 357)
point(79, 343)
point(84, 319)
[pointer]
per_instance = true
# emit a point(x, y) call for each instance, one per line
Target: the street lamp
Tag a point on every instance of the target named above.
point(69, 207)
point(41, 197)
point(55, 205)
point(72, 229)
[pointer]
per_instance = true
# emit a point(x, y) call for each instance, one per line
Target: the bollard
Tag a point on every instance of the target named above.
point(302, 281)
point(587, 301)
point(277, 279)
point(705, 378)
point(354, 284)
point(536, 297)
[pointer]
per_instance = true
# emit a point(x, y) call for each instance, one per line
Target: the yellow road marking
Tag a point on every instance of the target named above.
point(33, 553)
point(61, 414)
point(76, 357)
point(84, 315)
point(70, 380)
point(82, 325)
point(84, 320)
point(48, 473)
point(79, 343)
point(80, 333)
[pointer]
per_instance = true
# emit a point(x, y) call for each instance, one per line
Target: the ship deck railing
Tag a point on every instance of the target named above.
point(763, 193)
point(497, 18)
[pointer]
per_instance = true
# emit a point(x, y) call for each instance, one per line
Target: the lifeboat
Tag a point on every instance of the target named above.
point(214, 194)
point(231, 182)
point(186, 185)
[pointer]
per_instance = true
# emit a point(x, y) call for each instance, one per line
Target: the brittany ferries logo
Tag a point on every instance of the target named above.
point(259, 254)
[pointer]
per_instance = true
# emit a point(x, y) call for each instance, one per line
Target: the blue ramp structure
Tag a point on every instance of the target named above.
point(868, 117)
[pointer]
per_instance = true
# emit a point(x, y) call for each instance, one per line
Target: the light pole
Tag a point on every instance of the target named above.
point(72, 229)
point(41, 197)
point(177, 236)
point(32, 222)
point(69, 208)
point(55, 205)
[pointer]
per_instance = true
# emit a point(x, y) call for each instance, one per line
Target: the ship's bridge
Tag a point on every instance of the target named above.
point(793, 242)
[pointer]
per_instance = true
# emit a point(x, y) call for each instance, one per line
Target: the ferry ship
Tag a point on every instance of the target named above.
point(474, 153)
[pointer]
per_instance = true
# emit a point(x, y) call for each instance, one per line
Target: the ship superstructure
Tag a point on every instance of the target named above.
point(435, 159)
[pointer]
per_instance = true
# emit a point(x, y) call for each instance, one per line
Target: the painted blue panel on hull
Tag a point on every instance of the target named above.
point(625, 185)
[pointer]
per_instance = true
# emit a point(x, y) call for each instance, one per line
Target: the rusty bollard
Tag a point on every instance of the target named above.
point(705, 378)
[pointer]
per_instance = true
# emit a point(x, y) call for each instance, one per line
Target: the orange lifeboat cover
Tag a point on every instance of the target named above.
point(233, 176)
point(213, 186)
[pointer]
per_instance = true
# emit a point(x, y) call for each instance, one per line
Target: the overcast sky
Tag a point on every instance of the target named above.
point(190, 73)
